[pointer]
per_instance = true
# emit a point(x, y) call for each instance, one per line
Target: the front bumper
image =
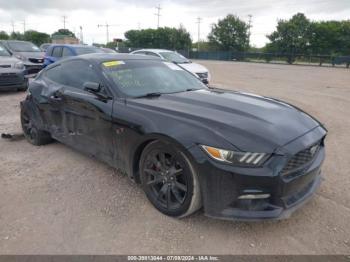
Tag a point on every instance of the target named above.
point(31, 69)
point(222, 185)
point(12, 79)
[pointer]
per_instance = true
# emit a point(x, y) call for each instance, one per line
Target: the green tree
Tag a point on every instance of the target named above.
point(168, 38)
point(64, 32)
point(4, 35)
point(331, 38)
point(230, 34)
point(291, 37)
point(36, 37)
point(16, 36)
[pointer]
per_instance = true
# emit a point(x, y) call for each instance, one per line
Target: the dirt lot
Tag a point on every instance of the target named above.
point(55, 200)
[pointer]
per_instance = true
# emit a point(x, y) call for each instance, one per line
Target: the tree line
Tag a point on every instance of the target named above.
point(292, 37)
point(33, 36)
point(295, 36)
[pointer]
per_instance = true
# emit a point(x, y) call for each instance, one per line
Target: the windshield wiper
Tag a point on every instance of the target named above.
point(154, 94)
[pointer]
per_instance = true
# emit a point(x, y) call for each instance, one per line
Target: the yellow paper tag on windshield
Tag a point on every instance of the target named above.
point(113, 63)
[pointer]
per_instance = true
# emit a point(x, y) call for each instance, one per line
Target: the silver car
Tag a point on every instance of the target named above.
point(11, 72)
point(31, 55)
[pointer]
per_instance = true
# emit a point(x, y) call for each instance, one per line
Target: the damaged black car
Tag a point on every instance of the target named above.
point(237, 155)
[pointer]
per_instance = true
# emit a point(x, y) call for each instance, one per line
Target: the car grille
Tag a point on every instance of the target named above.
point(5, 66)
point(36, 60)
point(301, 158)
point(10, 79)
point(202, 75)
point(33, 69)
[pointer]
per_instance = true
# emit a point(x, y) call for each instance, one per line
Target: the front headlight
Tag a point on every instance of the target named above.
point(245, 159)
point(20, 57)
point(19, 65)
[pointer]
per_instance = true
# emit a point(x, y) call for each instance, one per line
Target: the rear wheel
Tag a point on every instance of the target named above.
point(169, 180)
point(34, 135)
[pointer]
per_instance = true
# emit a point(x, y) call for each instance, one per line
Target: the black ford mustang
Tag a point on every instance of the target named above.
point(238, 155)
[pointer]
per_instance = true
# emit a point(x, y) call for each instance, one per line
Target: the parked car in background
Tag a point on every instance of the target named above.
point(31, 55)
point(196, 69)
point(57, 52)
point(108, 50)
point(44, 46)
point(11, 72)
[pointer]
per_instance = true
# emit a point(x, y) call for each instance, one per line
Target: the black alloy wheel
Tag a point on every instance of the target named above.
point(168, 180)
point(29, 130)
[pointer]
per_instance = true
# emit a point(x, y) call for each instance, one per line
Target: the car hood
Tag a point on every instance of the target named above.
point(194, 68)
point(247, 121)
point(31, 54)
point(8, 60)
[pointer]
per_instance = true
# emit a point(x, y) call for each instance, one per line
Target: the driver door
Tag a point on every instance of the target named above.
point(86, 119)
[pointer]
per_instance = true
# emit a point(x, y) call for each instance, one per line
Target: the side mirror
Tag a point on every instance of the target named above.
point(205, 81)
point(92, 87)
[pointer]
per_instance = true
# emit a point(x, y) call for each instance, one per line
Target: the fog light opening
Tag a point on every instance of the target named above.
point(254, 196)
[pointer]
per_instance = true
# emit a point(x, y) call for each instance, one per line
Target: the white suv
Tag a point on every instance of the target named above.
point(196, 69)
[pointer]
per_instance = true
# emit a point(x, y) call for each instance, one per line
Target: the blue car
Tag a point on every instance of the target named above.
point(57, 52)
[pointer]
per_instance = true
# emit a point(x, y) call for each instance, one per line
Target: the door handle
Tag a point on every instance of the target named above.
point(55, 98)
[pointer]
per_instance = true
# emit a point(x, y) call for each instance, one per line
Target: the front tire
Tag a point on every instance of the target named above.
point(33, 135)
point(169, 180)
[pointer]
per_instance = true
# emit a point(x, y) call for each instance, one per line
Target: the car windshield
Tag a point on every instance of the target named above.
point(23, 47)
point(174, 57)
point(138, 78)
point(3, 52)
point(87, 50)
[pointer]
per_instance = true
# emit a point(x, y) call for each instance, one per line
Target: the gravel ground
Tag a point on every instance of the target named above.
point(54, 200)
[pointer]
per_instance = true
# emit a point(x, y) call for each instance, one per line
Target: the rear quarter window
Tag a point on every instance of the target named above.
point(57, 51)
point(54, 74)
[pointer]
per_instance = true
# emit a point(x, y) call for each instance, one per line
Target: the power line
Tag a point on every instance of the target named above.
point(158, 14)
point(199, 20)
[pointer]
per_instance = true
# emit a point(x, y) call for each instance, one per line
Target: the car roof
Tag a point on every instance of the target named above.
point(15, 41)
point(102, 57)
point(72, 45)
point(155, 50)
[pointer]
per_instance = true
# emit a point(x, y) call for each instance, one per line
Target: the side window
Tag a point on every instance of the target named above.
point(66, 52)
point(140, 53)
point(57, 51)
point(152, 54)
point(76, 73)
point(54, 74)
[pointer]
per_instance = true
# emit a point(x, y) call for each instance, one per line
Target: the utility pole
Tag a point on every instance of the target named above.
point(249, 28)
point(199, 20)
point(24, 25)
point(64, 21)
point(158, 14)
point(13, 26)
point(107, 30)
point(81, 35)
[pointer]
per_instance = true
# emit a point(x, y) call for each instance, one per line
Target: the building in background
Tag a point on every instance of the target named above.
point(64, 39)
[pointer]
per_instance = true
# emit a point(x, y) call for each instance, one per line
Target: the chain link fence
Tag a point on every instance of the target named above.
point(276, 58)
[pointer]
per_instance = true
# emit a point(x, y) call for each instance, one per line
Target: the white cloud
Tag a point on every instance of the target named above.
point(131, 14)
